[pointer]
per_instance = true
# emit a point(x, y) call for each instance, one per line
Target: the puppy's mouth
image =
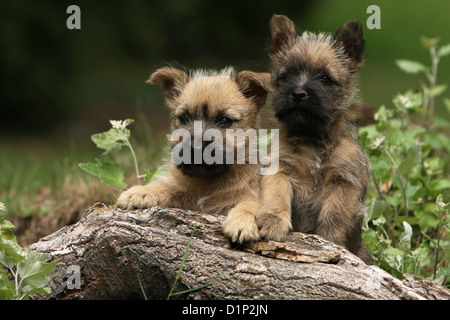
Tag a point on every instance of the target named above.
point(307, 112)
point(285, 111)
point(196, 166)
point(289, 110)
point(203, 170)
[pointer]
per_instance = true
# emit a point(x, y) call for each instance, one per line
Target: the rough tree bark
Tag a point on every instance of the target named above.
point(122, 254)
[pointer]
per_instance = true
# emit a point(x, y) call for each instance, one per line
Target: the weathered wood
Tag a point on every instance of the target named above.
point(118, 251)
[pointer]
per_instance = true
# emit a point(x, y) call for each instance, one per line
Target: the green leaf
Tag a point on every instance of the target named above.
point(114, 139)
point(110, 173)
point(28, 289)
point(413, 157)
point(159, 173)
point(11, 250)
point(368, 132)
point(409, 66)
point(372, 241)
point(446, 223)
point(381, 167)
point(379, 221)
point(6, 230)
point(393, 271)
point(438, 140)
point(425, 219)
point(421, 254)
point(6, 261)
point(37, 281)
point(440, 184)
point(381, 117)
point(411, 190)
point(408, 138)
point(148, 176)
point(391, 251)
point(445, 272)
point(443, 51)
point(7, 289)
point(408, 100)
point(434, 165)
point(376, 209)
point(441, 122)
point(437, 90)
point(33, 270)
point(447, 104)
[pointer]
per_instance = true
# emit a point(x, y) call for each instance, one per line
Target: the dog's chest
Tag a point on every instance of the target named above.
point(308, 174)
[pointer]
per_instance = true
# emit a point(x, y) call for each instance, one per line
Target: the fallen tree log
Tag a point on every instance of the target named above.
point(116, 254)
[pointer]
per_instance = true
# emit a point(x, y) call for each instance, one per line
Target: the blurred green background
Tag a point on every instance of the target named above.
point(60, 86)
point(70, 82)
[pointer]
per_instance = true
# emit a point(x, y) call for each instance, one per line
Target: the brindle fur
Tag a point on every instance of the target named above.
point(323, 177)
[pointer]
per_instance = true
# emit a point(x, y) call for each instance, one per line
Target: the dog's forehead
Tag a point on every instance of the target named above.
point(213, 94)
point(312, 53)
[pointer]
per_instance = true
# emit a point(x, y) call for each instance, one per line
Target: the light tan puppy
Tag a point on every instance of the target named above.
point(221, 101)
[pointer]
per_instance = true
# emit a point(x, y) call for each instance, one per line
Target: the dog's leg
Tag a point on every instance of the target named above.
point(274, 216)
point(240, 225)
point(156, 193)
point(339, 218)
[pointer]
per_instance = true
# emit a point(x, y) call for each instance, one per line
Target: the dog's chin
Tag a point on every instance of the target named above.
point(203, 170)
point(302, 117)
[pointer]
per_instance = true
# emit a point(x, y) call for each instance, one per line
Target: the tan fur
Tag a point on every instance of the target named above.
point(323, 176)
point(235, 193)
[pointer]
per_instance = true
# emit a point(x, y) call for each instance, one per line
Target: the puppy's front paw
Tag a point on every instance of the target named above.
point(137, 197)
point(240, 226)
point(274, 227)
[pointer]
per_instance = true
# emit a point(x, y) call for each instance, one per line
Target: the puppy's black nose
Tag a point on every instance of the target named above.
point(299, 95)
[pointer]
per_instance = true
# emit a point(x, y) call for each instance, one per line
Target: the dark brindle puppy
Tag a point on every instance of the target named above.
point(324, 175)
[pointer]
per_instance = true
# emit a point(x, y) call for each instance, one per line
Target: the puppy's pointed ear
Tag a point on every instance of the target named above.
point(350, 37)
point(173, 81)
point(254, 86)
point(282, 34)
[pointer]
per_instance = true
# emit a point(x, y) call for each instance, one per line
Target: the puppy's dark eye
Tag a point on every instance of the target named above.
point(184, 118)
point(325, 79)
point(282, 77)
point(225, 122)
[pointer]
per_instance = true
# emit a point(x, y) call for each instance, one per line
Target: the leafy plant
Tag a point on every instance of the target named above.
point(113, 174)
point(407, 223)
point(21, 272)
point(414, 67)
point(114, 139)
